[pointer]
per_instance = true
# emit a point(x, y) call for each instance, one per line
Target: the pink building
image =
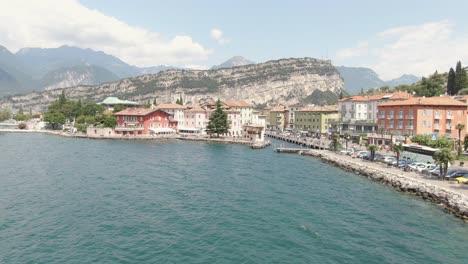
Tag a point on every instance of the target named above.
point(141, 121)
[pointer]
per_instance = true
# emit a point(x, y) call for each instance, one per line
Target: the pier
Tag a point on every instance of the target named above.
point(313, 143)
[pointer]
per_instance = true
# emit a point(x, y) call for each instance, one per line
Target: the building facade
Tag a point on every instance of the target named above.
point(176, 110)
point(111, 102)
point(316, 119)
point(428, 116)
point(292, 114)
point(142, 121)
point(358, 114)
point(278, 117)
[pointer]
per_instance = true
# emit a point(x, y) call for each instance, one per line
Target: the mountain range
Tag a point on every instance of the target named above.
point(357, 78)
point(38, 69)
point(233, 62)
point(285, 81)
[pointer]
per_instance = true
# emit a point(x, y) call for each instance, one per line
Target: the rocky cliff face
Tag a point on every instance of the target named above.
point(286, 81)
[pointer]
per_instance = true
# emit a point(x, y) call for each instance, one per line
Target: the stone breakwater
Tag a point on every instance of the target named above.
point(452, 201)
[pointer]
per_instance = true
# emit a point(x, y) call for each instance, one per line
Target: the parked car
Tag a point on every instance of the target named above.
point(432, 171)
point(377, 157)
point(453, 174)
point(348, 151)
point(420, 168)
point(389, 159)
point(360, 153)
point(463, 179)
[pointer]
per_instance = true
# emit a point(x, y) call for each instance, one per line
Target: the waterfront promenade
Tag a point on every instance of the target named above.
point(448, 194)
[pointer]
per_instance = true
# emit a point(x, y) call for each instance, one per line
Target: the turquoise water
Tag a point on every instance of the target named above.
point(66, 200)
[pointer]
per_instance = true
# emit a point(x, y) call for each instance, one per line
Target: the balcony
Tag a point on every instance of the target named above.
point(390, 126)
point(449, 127)
point(390, 117)
point(437, 116)
point(381, 116)
point(400, 126)
point(436, 126)
point(409, 127)
point(409, 117)
point(400, 116)
point(449, 116)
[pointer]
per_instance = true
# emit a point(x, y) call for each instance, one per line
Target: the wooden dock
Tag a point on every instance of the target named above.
point(314, 143)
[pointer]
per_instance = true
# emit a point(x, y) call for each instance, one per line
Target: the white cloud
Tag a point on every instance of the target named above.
point(52, 23)
point(218, 35)
point(416, 49)
point(362, 49)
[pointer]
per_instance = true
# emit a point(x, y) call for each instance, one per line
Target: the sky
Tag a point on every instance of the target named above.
point(392, 37)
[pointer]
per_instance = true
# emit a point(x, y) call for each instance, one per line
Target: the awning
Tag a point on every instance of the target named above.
point(188, 129)
point(162, 130)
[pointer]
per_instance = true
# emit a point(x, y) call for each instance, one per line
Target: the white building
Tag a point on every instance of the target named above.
point(358, 114)
point(246, 110)
point(174, 109)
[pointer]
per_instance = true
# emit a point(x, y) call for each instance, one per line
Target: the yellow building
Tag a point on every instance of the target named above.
point(278, 117)
point(316, 119)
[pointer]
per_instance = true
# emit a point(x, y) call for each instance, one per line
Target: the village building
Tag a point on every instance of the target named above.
point(419, 115)
point(245, 110)
point(316, 119)
point(358, 114)
point(142, 121)
point(292, 114)
point(196, 119)
point(176, 110)
point(111, 102)
point(278, 117)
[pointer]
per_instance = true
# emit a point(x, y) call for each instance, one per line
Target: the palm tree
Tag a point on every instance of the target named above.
point(442, 158)
point(398, 148)
point(346, 137)
point(406, 135)
point(460, 127)
point(335, 143)
point(372, 149)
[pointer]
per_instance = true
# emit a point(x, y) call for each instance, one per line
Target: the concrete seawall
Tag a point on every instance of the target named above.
point(453, 201)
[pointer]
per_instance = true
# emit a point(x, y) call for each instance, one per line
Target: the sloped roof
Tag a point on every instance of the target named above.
point(196, 108)
point(170, 106)
point(237, 104)
point(376, 97)
point(278, 108)
point(139, 111)
point(438, 100)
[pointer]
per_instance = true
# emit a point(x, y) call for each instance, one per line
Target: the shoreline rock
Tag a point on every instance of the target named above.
point(451, 201)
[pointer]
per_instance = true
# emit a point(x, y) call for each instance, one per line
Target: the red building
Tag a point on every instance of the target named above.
point(141, 121)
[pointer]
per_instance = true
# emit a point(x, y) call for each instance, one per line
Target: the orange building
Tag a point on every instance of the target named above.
point(420, 115)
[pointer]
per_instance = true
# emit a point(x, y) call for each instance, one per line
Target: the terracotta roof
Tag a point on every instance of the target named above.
point(232, 111)
point(376, 97)
point(438, 100)
point(278, 108)
point(196, 108)
point(320, 108)
point(170, 106)
point(237, 104)
point(136, 111)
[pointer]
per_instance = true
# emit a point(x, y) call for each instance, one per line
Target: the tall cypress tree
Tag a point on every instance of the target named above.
point(218, 121)
point(460, 77)
point(451, 82)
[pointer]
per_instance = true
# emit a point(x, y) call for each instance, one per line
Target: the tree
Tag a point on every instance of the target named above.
point(62, 98)
point(362, 91)
point(341, 95)
point(398, 148)
point(22, 125)
point(346, 137)
point(20, 110)
point(459, 127)
point(180, 101)
point(451, 82)
point(335, 142)
point(109, 121)
point(372, 149)
point(465, 142)
point(460, 78)
point(118, 108)
point(5, 114)
point(442, 158)
point(218, 123)
point(55, 119)
point(406, 135)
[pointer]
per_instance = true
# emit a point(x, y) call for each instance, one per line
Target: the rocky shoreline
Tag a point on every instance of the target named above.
point(451, 201)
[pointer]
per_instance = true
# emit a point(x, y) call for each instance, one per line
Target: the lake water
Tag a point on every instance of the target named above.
point(65, 200)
